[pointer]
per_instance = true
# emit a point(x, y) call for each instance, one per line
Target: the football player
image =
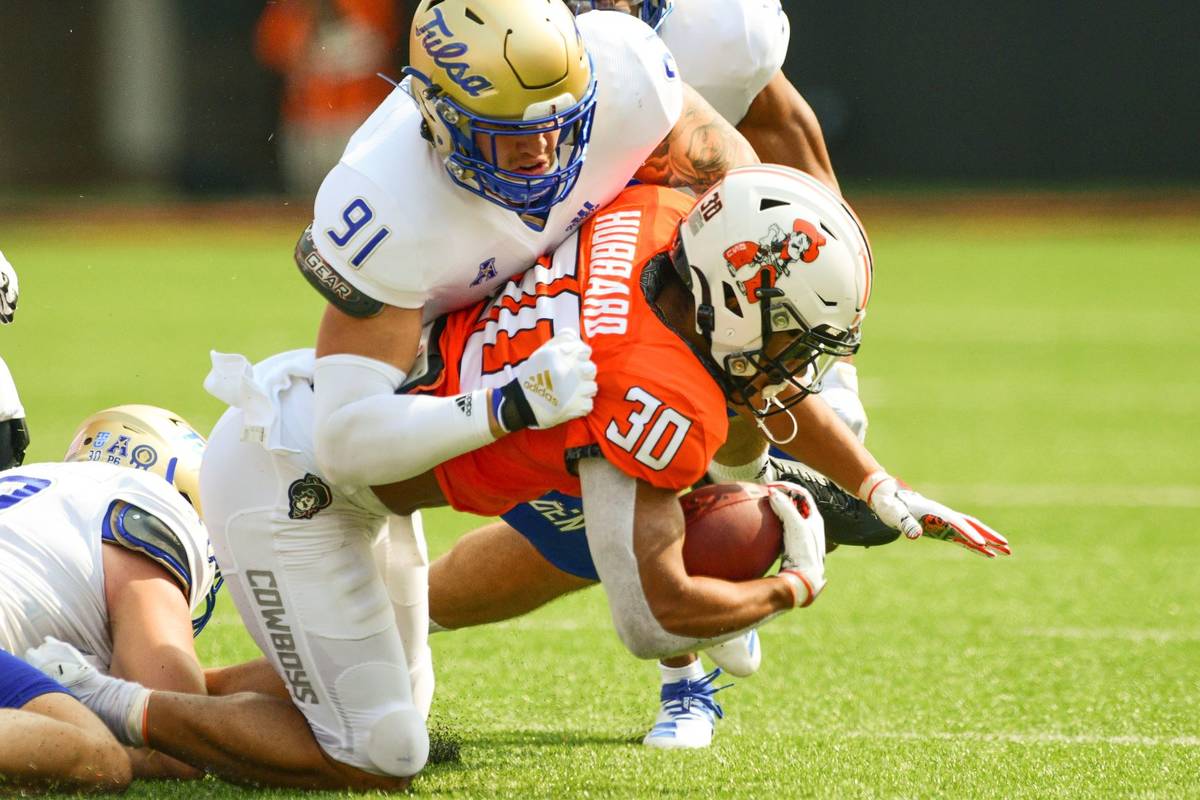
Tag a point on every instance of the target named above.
point(106, 552)
point(14, 433)
point(746, 85)
point(512, 126)
point(639, 282)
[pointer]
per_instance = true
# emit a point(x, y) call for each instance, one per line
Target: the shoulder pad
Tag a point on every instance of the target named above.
point(333, 287)
point(136, 529)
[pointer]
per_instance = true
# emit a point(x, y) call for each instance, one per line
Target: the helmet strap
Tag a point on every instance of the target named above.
point(762, 414)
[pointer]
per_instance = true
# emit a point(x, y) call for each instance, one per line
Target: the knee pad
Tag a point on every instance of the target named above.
point(398, 743)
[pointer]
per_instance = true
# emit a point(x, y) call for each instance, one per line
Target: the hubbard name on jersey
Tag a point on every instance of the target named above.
point(391, 223)
point(658, 416)
point(727, 51)
point(52, 520)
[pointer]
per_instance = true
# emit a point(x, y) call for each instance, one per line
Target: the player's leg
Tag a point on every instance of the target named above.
point(493, 574)
point(402, 558)
point(298, 565)
point(49, 739)
point(248, 738)
point(540, 552)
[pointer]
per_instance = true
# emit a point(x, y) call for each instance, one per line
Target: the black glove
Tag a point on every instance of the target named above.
point(14, 438)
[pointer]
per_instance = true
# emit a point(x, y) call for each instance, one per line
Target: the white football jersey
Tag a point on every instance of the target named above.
point(51, 571)
point(444, 247)
point(727, 50)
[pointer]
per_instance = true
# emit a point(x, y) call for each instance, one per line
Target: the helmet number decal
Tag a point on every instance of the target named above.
point(358, 216)
point(653, 452)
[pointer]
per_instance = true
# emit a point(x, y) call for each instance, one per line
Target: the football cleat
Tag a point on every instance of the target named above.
point(688, 714)
point(740, 657)
point(848, 520)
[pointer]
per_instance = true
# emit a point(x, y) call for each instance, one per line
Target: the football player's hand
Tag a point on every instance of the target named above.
point(554, 385)
point(8, 291)
point(803, 562)
point(840, 392)
point(942, 522)
point(912, 514)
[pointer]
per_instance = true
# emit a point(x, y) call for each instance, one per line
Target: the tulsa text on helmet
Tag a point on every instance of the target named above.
point(448, 54)
point(606, 297)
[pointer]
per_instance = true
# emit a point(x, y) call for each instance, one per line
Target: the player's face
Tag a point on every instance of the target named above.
point(535, 153)
point(794, 358)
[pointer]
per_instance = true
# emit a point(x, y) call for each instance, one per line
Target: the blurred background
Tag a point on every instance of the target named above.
point(232, 97)
point(1029, 173)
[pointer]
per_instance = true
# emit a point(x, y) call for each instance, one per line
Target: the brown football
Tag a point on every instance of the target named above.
point(731, 531)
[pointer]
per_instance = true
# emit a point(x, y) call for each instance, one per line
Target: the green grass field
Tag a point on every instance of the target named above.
point(1037, 370)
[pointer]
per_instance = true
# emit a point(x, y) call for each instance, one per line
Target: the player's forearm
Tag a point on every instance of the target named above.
point(364, 434)
point(823, 442)
point(783, 129)
point(610, 498)
point(699, 150)
point(706, 608)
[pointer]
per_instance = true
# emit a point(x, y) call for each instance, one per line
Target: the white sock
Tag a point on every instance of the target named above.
point(757, 471)
point(693, 671)
point(122, 705)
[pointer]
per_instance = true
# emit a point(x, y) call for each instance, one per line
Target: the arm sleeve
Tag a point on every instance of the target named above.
point(364, 434)
point(609, 497)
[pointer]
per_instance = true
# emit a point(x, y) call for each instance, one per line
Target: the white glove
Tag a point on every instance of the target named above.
point(878, 490)
point(8, 291)
point(840, 392)
point(554, 385)
point(803, 562)
point(901, 508)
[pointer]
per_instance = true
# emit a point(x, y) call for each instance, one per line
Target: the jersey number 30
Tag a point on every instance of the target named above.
point(666, 434)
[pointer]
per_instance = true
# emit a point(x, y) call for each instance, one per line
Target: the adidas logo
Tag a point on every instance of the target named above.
point(542, 386)
point(464, 404)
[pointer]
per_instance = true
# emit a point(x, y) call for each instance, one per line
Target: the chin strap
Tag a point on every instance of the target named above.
point(769, 398)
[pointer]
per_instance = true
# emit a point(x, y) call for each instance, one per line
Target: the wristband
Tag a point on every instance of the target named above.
point(870, 483)
point(511, 408)
point(795, 580)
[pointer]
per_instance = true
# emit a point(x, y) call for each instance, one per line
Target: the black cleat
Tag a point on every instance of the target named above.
point(848, 520)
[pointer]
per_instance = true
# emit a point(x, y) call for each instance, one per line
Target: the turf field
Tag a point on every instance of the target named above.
point(1035, 365)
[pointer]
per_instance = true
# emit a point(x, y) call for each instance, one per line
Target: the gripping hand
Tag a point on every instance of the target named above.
point(554, 385)
point(803, 562)
point(8, 291)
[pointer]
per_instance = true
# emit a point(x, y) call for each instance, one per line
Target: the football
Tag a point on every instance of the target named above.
point(730, 532)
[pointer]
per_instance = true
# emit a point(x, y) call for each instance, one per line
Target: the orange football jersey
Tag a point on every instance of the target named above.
point(658, 416)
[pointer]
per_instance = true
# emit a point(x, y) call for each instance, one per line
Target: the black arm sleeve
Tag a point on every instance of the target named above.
point(332, 286)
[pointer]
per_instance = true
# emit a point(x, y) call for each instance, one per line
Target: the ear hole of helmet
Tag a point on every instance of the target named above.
point(731, 300)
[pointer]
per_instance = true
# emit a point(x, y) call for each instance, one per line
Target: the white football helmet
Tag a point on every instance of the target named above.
point(771, 253)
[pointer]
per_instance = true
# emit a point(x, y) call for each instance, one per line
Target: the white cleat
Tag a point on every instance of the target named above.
point(740, 657)
point(688, 714)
